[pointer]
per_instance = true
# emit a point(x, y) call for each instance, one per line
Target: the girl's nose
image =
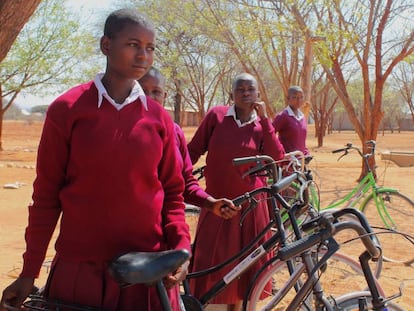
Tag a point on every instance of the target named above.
point(141, 53)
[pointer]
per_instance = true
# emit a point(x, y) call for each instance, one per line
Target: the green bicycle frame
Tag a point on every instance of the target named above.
point(353, 198)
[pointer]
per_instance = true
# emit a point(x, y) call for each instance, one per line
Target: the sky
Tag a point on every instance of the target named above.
point(92, 6)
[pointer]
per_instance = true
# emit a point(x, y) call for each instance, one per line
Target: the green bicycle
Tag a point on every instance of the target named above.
point(387, 209)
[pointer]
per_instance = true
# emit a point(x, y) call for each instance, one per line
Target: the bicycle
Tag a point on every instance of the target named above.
point(293, 162)
point(279, 239)
point(287, 297)
point(128, 269)
point(387, 209)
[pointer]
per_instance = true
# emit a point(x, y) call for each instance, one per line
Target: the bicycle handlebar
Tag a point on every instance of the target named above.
point(365, 233)
point(263, 163)
point(277, 187)
point(327, 221)
point(349, 146)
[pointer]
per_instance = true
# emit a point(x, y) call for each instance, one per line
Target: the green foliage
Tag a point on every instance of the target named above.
point(52, 52)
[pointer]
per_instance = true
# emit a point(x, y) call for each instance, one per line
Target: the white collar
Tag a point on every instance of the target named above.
point(136, 92)
point(299, 116)
point(232, 113)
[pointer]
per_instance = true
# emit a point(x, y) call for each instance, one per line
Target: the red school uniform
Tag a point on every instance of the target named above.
point(218, 239)
point(292, 131)
point(113, 177)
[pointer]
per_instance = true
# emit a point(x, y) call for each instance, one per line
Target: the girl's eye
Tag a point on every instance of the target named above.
point(151, 48)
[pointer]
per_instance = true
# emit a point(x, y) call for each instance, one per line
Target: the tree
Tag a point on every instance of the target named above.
point(46, 56)
point(323, 104)
point(189, 58)
point(264, 44)
point(404, 82)
point(376, 34)
point(13, 16)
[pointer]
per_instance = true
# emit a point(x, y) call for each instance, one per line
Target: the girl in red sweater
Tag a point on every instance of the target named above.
point(107, 166)
point(227, 132)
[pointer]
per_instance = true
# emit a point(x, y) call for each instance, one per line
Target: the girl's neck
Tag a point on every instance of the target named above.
point(117, 89)
point(242, 114)
point(295, 110)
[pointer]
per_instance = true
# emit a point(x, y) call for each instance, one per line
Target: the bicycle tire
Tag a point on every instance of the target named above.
point(400, 208)
point(344, 274)
point(192, 214)
point(350, 302)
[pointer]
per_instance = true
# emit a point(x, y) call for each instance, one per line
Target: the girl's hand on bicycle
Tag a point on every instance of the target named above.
point(177, 277)
point(16, 293)
point(223, 208)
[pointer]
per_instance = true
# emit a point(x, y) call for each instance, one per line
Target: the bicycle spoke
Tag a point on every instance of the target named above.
point(397, 211)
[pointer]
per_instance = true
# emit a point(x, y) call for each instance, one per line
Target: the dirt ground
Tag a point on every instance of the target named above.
point(17, 166)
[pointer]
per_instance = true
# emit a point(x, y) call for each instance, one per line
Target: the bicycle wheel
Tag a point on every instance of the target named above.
point(192, 213)
point(350, 302)
point(395, 214)
point(340, 275)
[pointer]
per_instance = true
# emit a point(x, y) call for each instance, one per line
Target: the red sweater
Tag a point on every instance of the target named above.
point(219, 239)
point(193, 193)
point(223, 140)
point(292, 132)
point(113, 176)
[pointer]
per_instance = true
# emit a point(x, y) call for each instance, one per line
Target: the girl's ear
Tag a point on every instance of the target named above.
point(105, 44)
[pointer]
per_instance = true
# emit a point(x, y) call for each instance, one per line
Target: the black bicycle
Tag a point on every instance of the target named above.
point(304, 249)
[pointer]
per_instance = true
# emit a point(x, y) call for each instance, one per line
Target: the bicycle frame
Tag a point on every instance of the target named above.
point(367, 185)
point(256, 253)
point(284, 252)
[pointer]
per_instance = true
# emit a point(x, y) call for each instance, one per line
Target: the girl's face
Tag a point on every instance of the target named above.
point(154, 88)
point(130, 53)
point(295, 100)
point(245, 93)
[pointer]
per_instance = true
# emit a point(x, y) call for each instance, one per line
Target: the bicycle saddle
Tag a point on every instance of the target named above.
point(146, 267)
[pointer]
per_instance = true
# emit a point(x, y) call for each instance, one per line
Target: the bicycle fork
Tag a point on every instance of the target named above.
point(379, 303)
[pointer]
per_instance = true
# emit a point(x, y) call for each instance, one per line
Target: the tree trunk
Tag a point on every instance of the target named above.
point(177, 108)
point(177, 102)
point(1, 119)
point(13, 16)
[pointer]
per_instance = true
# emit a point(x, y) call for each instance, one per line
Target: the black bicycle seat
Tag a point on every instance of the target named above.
point(146, 267)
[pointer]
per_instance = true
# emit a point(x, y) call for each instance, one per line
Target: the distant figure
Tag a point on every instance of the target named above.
point(107, 165)
point(291, 123)
point(227, 132)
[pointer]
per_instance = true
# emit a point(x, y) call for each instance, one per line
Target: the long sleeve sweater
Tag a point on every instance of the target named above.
point(193, 193)
point(292, 132)
point(113, 177)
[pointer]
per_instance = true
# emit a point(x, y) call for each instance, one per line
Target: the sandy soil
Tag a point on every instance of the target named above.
point(17, 163)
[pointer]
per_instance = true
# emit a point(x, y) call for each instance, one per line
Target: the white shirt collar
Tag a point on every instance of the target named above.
point(136, 92)
point(299, 116)
point(232, 113)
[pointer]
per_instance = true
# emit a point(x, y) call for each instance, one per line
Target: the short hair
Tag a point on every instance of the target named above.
point(154, 72)
point(243, 76)
point(118, 19)
point(294, 89)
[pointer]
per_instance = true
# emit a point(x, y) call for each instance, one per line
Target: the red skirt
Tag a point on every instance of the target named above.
point(89, 283)
point(216, 241)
